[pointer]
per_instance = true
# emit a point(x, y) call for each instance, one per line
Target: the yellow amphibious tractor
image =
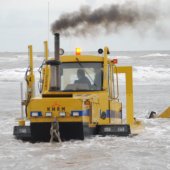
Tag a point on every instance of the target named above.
point(80, 95)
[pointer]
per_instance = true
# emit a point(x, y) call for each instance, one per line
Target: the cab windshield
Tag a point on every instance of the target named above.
point(77, 77)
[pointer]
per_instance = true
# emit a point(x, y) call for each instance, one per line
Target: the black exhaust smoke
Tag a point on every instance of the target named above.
point(110, 18)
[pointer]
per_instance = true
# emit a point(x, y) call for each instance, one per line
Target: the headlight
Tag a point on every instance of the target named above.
point(62, 114)
point(75, 114)
point(48, 114)
point(27, 123)
point(36, 114)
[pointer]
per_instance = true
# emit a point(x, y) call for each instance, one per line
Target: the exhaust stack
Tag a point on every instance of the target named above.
point(57, 46)
point(57, 57)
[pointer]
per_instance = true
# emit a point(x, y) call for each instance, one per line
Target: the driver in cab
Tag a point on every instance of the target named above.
point(82, 79)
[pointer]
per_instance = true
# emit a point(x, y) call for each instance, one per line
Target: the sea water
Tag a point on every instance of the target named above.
point(149, 150)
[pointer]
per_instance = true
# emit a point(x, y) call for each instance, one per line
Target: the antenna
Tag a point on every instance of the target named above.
point(48, 19)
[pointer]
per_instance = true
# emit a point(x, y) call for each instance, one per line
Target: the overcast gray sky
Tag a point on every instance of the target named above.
point(24, 22)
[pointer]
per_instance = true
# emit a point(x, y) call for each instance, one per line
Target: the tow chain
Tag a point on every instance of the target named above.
point(54, 132)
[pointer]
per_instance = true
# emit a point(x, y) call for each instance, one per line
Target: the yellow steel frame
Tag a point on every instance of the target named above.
point(46, 52)
point(30, 77)
point(45, 69)
point(81, 58)
point(165, 114)
point(127, 70)
point(105, 68)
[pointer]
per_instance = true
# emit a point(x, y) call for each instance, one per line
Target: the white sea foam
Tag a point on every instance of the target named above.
point(14, 74)
point(152, 74)
point(148, 75)
point(25, 56)
point(139, 152)
point(21, 57)
point(156, 55)
point(119, 57)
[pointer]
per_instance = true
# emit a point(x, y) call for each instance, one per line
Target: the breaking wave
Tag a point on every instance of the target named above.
point(18, 57)
point(151, 75)
point(156, 55)
point(14, 75)
point(148, 76)
point(141, 74)
point(119, 57)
